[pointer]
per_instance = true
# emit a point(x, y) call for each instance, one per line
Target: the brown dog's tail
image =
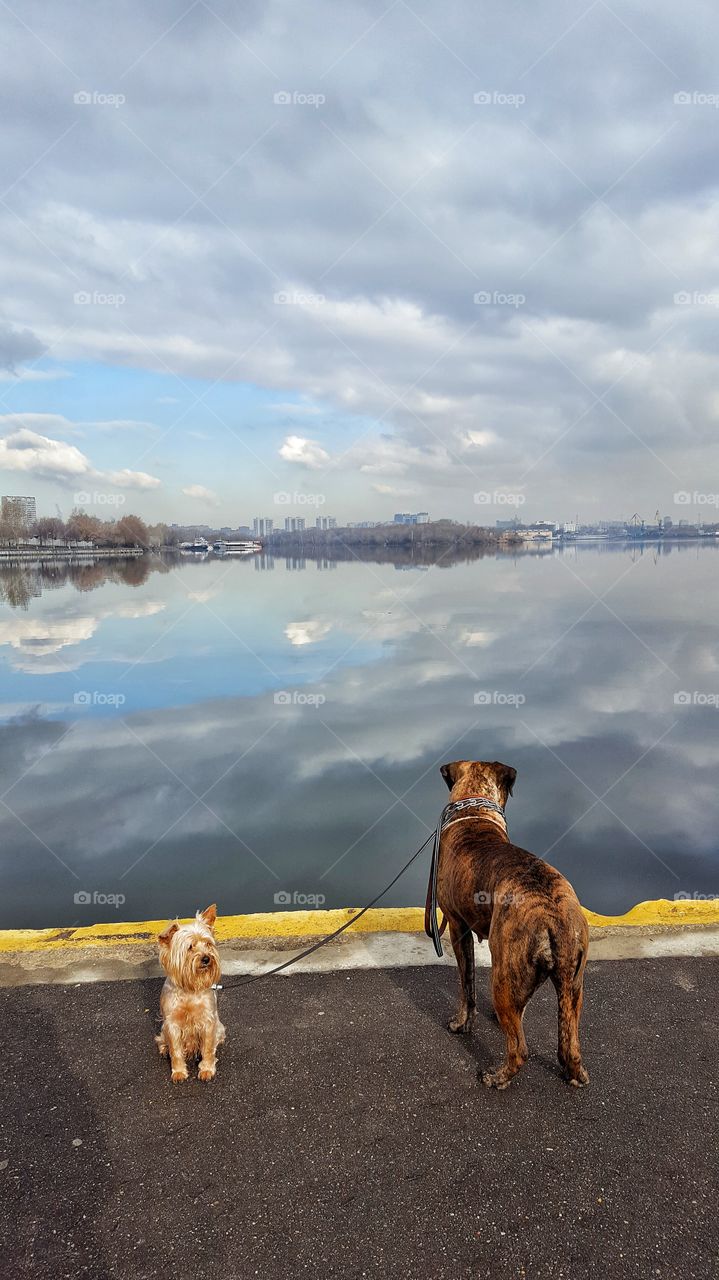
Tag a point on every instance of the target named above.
point(565, 950)
point(543, 949)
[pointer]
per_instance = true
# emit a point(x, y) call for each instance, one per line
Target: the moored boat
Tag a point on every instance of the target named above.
point(246, 547)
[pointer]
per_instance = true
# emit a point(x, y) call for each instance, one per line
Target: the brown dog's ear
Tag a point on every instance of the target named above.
point(209, 915)
point(166, 938)
point(506, 776)
point(449, 772)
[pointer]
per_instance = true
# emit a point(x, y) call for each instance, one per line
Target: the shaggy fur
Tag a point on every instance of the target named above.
point(191, 1026)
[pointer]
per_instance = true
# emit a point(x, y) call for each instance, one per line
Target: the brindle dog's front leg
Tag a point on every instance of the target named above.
point(463, 943)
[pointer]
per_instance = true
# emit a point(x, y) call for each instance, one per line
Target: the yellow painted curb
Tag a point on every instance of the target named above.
point(294, 924)
point(663, 911)
point(268, 924)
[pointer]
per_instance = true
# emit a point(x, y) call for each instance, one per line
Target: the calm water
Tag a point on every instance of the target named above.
point(236, 730)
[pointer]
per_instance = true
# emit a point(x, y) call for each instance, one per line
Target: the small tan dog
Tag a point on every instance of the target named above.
point(188, 1004)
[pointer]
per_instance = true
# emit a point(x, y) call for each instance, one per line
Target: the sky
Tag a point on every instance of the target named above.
point(262, 260)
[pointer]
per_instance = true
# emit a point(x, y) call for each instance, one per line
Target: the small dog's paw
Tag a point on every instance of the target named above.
point(494, 1079)
point(178, 1076)
point(206, 1073)
point(459, 1027)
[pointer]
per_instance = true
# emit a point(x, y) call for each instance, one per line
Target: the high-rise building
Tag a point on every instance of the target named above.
point(325, 522)
point(294, 524)
point(20, 510)
point(408, 517)
point(262, 526)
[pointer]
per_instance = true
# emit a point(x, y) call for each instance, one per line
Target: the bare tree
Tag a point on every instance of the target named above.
point(131, 531)
point(48, 528)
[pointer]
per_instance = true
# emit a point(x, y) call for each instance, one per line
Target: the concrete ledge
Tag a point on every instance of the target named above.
point(316, 924)
point(390, 939)
point(352, 951)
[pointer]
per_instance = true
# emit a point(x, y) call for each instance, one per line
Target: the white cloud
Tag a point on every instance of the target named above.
point(121, 424)
point(202, 494)
point(301, 633)
point(289, 407)
point(394, 491)
point(307, 453)
point(58, 424)
point(479, 439)
point(36, 639)
point(476, 639)
point(33, 375)
point(29, 452)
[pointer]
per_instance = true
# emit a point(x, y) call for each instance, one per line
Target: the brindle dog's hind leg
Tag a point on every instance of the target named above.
point(569, 999)
point(512, 986)
point(463, 943)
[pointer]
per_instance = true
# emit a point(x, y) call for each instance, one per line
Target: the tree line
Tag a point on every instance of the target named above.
point(437, 533)
point(132, 531)
point(127, 531)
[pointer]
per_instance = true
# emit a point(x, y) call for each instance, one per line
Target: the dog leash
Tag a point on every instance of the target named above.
point(267, 973)
point(452, 812)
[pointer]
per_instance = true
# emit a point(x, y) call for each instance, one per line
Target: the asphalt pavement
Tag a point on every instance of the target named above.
point(346, 1134)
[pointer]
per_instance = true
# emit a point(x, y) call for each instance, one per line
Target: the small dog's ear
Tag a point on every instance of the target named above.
point(166, 937)
point(449, 772)
point(506, 776)
point(209, 915)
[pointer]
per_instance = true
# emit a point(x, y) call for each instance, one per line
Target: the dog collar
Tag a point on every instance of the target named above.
point(454, 811)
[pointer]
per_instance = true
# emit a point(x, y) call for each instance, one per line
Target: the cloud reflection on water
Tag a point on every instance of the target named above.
point(238, 796)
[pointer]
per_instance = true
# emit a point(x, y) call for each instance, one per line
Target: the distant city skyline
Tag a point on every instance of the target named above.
point(23, 507)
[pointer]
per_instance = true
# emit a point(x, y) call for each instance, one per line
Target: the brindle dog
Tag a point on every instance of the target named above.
point(528, 911)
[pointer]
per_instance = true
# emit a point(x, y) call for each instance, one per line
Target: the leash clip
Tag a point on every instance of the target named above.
point(217, 986)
